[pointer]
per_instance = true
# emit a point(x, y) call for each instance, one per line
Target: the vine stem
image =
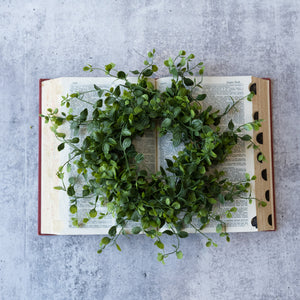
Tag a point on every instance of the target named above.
point(198, 230)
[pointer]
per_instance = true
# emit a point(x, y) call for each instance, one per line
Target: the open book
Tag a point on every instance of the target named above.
point(54, 214)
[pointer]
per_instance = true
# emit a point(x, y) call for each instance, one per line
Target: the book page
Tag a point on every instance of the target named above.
point(59, 216)
point(219, 91)
point(146, 145)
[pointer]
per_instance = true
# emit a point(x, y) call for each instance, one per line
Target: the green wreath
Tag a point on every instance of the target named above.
point(166, 202)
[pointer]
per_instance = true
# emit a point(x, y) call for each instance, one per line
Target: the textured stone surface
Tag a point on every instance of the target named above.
point(46, 39)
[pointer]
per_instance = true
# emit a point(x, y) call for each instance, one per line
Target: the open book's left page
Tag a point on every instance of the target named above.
point(55, 215)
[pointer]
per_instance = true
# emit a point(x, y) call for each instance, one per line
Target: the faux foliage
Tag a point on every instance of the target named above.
point(105, 159)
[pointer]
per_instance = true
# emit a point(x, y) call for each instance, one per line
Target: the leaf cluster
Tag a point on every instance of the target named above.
point(176, 197)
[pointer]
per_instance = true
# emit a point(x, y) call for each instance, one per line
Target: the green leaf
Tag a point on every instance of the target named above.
point(75, 222)
point(70, 191)
point(188, 81)
point(187, 219)
point(168, 232)
point(174, 72)
point(121, 75)
point(73, 209)
point(166, 63)
point(109, 67)
point(61, 134)
point(93, 213)
point(201, 97)
point(106, 148)
point(166, 122)
point(179, 254)
point(136, 230)
point(126, 143)
point(147, 72)
point(160, 256)
point(137, 110)
point(246, 137)
point(72, 180)
point(99, 103)
point(69, 117)
point(176, 205)
point(261, 157)
point(74, 140)
point(61, 146)
point(118, 247)
point(85, 193)
point(169, 162)
point(201, 71)
point(117, 91)
point(159, 244)
point(219, 228)
point(183, 234)
point(250, 96)
point(112, 231)
point(221, 198)
point(105, 241)
point(183, 61)
point(230, 125)
point(154, 68)
point(212, 200)
point(59, 188)
point(229, 215)
point(126, 131)
point(135, 72)
point(112, 142)
point(83, 115)
point(248, 127)
point(139, 157)
point(135, 216)
point(197, 124)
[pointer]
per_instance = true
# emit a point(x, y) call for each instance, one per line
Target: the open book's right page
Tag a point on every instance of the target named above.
point(221, 91)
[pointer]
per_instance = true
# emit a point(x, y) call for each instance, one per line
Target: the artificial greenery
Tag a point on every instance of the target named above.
point(105, 159)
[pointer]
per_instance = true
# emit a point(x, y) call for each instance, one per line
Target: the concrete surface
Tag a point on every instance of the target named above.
point(47, 39)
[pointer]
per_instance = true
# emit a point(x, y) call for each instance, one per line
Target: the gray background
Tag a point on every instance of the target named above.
point(47, 39)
